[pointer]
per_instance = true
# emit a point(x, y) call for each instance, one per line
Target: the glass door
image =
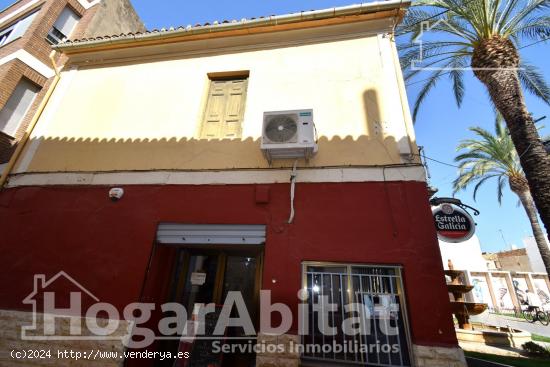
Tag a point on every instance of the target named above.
point(240, 275)
point(204, 276)
point(199, 281)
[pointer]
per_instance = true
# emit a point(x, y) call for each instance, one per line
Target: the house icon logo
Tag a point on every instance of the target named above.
point(43, 300)
point(430, 51)
point(425, 28)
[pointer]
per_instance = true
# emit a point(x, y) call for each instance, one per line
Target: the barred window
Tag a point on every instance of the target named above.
point(362, 307)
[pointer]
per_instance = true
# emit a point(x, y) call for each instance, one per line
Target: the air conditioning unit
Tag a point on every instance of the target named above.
point(288, 135)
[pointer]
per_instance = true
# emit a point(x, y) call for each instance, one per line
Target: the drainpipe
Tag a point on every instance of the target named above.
point(21, 144)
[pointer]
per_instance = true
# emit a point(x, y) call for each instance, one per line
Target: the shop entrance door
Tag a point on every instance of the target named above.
point(205, 275)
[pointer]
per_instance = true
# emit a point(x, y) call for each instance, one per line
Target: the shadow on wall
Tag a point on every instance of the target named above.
point(377, 125)
point(372, 112)
point(377, 146)
point(85, 154)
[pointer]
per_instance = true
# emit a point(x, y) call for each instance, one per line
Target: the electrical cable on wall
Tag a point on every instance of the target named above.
point(293, 175)
point(422, 156)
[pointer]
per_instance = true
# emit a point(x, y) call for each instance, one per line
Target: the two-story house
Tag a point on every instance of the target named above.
point(28, 29)
point(161, 169)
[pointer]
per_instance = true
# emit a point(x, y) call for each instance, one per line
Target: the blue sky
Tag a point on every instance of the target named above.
point(440, 124)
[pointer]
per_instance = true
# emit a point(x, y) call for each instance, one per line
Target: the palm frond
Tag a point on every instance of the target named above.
point(460, 26)
point(535, 28)
point(452, 26)
point(457, 77)
point(480, 183)
point(429, 84)
point(505, 14)
point(482, 133)
point(532, 6)
point(500, 188)
point(412, 22)
point(533, 81)
point(427, 56)
point(488, 155)
point(425, 90)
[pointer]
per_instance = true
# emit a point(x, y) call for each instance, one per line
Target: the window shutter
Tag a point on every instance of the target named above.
point(224, 109)
point(214, 110)
point(236, 90)
point(66, 22)
point(21, 27)
point(17, 106)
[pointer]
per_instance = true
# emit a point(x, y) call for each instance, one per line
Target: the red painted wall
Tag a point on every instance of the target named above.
point(106, 245)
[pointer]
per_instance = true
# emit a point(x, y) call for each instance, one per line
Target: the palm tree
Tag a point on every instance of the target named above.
point(494, 157)
point(484, 36)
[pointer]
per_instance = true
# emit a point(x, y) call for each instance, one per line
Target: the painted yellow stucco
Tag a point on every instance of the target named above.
point(145, 114)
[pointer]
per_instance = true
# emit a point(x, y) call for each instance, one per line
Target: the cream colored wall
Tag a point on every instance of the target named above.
point(147, 115)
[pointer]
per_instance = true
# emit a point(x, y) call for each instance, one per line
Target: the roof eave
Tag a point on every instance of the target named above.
point(351, 10)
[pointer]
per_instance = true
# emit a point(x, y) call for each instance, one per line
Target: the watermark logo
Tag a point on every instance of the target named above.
point(429, 52)
point(58, 314)
point(43, 292)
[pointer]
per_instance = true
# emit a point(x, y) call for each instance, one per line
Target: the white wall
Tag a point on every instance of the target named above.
point(534, 255)
point(464, 255)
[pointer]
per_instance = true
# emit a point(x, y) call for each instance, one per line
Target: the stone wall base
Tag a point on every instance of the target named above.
point(17, 348)
point(283, 351)
point(425, 356)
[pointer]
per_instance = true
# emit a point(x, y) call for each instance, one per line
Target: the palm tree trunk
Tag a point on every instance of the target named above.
point(528, 205)
point(495, 62)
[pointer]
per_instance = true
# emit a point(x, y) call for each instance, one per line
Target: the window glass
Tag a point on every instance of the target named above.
point(17, 106)
point(63, 26)
point(5, 35)
point(16, 30)
point(240, 275)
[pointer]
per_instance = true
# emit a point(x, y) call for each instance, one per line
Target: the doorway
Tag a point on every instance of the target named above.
point(206, 274)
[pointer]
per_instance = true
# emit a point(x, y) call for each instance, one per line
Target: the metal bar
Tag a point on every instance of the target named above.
point(374, 316)
point(361, 335)
point(332, 313)
point(404, 313)
point(344, 335)
point(321, 292)
point(355, 265)
point(397, 321)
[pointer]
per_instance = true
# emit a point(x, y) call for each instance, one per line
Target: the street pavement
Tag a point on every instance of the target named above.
point(503, 321)
point(474, 362)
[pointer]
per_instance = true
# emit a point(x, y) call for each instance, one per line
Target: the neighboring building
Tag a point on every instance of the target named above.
point(28, 29)
point(491, 259)
point(506, 290)
point(511, 260)
point(144, 180)
point(533, 253)
point(500, 279)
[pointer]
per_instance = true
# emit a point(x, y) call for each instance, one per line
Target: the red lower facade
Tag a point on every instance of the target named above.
point(107, 246)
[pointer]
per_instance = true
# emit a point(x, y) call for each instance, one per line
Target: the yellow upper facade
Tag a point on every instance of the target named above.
point(143, 106)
